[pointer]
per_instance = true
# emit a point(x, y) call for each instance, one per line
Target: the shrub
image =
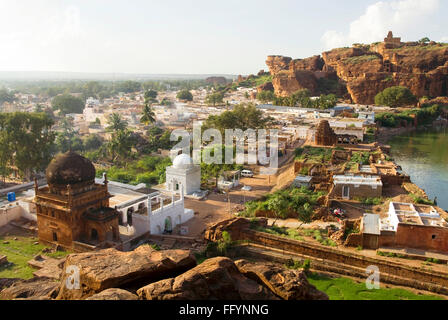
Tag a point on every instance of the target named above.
point(395, 97)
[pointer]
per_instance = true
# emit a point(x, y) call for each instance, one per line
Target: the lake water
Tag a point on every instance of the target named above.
point(424, 156)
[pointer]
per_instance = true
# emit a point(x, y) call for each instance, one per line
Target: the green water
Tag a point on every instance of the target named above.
point(424, 156)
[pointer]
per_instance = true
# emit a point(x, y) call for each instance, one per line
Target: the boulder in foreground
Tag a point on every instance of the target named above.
point(110, 268)
point(214, 279)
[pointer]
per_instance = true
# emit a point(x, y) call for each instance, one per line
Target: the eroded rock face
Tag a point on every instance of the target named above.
point(366, 70)
point(214, 279)
point(110, 268)
point(285, 283)
point(233, 226)
point(113, 294)
point(33, 289)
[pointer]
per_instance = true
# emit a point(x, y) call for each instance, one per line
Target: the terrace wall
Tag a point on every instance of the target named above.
point(346, 258)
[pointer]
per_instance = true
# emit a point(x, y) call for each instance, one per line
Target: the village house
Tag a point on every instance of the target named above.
point(407, 225)
point(349, 187)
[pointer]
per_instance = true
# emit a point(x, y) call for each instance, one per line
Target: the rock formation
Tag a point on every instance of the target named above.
point(366, 70)
point(114, 269)
point(33, 289)
point(285, 283)
point(214, 279)
point(113, 294)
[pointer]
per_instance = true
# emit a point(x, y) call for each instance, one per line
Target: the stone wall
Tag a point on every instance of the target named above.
point(355, 260)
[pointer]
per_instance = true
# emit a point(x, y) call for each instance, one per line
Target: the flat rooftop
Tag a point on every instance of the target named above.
point(357, 180)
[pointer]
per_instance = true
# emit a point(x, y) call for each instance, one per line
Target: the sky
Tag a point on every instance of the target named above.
point(198, 36)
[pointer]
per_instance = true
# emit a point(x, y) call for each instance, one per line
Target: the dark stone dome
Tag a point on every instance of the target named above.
point(70, 168)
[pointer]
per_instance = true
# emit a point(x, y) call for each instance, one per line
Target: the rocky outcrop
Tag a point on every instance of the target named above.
point(285, 283)
point(110, 268)
point(365, 70)
point(214, 279)
point(233, 226)
point(113, 294)
point(33, 289)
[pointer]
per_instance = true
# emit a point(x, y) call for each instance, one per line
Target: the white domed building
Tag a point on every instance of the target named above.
point(183, 176)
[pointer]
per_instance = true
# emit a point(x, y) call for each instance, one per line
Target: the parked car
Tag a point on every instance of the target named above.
point(247, 173)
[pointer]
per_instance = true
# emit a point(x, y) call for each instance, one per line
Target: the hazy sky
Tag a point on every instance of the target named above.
point(198, 36)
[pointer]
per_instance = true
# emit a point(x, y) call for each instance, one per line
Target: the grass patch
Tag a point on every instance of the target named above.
point(19, 252)
point(299, 234)
point(347, 289)
point(314, 154)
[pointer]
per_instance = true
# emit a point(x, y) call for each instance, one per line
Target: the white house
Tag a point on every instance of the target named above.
point(183, 173)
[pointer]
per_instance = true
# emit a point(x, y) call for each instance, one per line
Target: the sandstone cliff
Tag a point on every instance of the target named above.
point(365, 70)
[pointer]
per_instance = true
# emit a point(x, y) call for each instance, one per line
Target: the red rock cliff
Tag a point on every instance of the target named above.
point(365, 70)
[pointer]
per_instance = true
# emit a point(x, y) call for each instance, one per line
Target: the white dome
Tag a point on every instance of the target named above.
point(183, 161)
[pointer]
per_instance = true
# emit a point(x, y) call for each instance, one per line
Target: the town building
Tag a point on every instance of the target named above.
point(407, 225)
point(350, 187)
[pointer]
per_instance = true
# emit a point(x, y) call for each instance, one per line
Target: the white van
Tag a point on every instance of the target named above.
point(247, 173)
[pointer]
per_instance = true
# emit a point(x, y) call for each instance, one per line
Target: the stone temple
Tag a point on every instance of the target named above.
point(73, 210)
point(325, 136)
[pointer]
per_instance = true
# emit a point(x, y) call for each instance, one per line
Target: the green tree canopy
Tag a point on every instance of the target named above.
point(6, 96)
point(116, 123)
point(185, 95)
point(67, 103)
point(26, 141)
point(241, 117)
point(214, 98)
point(395, 97)
point(266, 96)
point(148, 115)
point(150, 94)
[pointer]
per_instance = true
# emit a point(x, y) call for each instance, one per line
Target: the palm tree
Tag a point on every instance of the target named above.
point(148, 115)
point(116, 123)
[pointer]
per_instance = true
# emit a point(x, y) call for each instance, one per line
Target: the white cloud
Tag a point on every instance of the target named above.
point(379, 18)
point(444, 40)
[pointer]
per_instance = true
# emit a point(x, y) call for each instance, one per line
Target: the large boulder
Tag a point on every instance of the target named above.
point(233, 226)
point(113, 294)
point(285, 283)
point(215, 279)
point(110, 268)
point(33, 289)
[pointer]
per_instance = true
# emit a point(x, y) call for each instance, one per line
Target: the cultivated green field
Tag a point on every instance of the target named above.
point(347, 289)
point(19, 252)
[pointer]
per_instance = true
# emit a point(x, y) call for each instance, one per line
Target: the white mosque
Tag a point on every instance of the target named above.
point(183, 173)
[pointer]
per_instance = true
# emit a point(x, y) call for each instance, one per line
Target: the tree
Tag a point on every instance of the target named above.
point(185, 95)
point(150, 94)
point(121, 144)
point(26, 142)
point(266, 96)
point(279, 206)
point(67, 103)
point(148, 115)
point(6, 96)
point(93, 142)
point(116, 123)
point(424, 40)
point(241, 117)
point(214, 98)
point(395, 97)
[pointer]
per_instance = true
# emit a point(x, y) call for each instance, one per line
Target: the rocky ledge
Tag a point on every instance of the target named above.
point(147, 274)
